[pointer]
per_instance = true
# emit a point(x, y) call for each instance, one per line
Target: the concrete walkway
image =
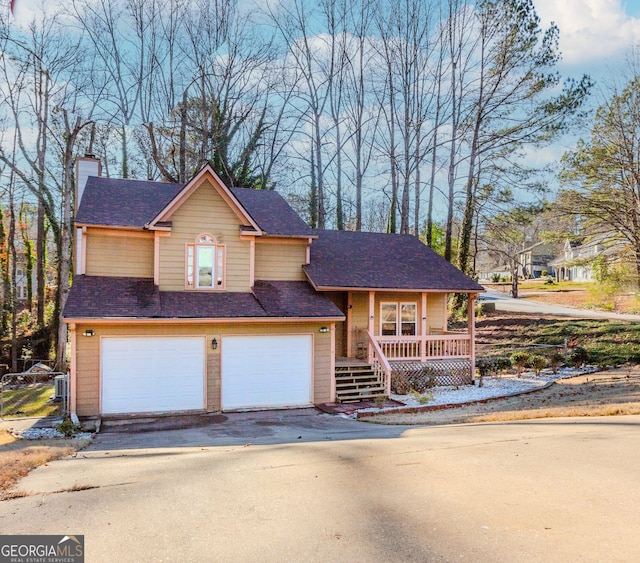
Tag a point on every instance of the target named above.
point(505, 303)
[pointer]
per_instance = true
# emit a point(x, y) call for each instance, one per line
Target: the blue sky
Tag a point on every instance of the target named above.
point(594, 34)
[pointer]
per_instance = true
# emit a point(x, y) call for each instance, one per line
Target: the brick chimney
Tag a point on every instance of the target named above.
point(87, 165)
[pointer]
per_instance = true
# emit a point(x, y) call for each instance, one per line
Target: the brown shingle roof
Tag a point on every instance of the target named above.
point(134, 203)
point(293, 299)
point(272, 213)
point(123, 203)
point(108, 297)
point(343, 259)
point(98, 296)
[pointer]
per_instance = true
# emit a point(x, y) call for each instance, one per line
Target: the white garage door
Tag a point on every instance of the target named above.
point(152, 374)
point(266, 371)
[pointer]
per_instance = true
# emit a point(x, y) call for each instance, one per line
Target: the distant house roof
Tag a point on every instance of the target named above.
point(134, 203)
point(139, 298)
point(343, 259)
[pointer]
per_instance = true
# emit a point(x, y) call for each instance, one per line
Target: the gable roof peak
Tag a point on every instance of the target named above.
point(206, 173)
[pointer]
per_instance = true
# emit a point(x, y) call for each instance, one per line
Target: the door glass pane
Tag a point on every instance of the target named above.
point(389, 319)
point(205, 266)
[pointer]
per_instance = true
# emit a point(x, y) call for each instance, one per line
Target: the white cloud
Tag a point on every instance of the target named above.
point(591, 31)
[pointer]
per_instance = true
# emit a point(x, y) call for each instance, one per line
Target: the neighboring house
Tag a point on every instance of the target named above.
point(578, 257)
point(201, 297)
point(535, 259)
point(22, 278)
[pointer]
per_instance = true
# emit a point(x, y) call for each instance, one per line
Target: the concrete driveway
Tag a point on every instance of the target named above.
point(552, 490)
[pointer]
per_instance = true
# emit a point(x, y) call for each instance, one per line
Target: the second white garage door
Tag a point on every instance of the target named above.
point(266, 371)
point(152, 374)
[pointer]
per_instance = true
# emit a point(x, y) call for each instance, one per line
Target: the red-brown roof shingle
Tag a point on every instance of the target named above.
point(123, 203)
point(344, 259)
point(139, 298)
point(135, 203)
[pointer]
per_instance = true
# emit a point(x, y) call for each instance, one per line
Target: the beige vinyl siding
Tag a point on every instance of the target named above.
point(88, 355)
point(119, 256)
point(437, 311)
point(339, 298)
point(280, 261)
point(204, 212)
point(359, 320)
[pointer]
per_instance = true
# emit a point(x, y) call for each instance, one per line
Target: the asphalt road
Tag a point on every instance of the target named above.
point(551, 490)
point(505, 303)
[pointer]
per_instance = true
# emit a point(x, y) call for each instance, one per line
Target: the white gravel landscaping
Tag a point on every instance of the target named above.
point(48, 433)
point(500, 386)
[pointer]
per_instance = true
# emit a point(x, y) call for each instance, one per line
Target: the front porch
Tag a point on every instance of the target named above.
point(404, 344)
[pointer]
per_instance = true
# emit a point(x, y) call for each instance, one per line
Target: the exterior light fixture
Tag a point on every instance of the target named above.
point(88, 332)
point(324, 329)
point(214, 344)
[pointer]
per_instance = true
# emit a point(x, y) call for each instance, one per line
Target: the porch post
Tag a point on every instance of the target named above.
point(423, 326)
point(332, 398)
point(372, 304)
point(471, 322)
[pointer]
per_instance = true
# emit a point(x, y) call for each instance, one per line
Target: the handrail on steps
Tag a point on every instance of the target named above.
point(379, 361)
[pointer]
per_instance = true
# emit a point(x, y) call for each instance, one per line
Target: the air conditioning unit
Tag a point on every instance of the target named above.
point(61, 387)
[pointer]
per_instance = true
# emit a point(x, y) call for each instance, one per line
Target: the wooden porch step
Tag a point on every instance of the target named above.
point(356, 377)
point(353, 369)
point(357, 383)
point(347, 397)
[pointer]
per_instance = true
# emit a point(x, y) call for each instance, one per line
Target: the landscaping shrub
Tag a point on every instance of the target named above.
point(400, 384)
point(555, 361)
point(579, 356)
point(419, 382)
point(520, 360)
point(492, 365)
point(538, 363)
point(67, 427)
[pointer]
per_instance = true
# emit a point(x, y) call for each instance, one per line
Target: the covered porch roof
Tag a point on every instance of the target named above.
point(376, 261)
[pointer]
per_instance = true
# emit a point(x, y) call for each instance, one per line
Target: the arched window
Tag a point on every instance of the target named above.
point(205, 263)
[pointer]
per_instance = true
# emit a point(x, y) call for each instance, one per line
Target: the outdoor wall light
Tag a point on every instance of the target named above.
point(324, 329)
point(88, 332)
point(214, 344)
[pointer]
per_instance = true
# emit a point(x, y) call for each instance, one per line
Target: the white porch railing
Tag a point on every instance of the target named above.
point(423, 348)
point(379, 363)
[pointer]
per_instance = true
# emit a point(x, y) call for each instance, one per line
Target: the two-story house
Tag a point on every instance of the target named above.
point(201, 297)
point(577, 259)
point(535, 259)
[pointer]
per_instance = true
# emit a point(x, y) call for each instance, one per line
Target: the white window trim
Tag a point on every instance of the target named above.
point(219, 262)
point(398, 307)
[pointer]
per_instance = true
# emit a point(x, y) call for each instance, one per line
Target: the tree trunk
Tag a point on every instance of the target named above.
point(451, 175)
point(12, 295)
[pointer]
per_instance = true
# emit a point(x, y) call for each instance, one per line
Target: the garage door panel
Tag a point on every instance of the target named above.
point(266, 371)
point(152, 374)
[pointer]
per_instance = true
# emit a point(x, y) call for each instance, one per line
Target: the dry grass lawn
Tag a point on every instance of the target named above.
point(609, 393)
point(18, 457)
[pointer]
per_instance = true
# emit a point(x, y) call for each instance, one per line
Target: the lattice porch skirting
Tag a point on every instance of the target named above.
point(420, 376)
